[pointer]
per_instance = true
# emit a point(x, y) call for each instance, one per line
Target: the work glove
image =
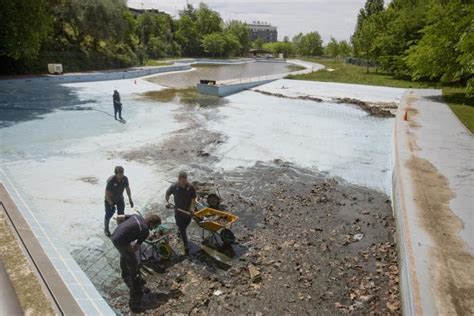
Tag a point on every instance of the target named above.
point(131, 203)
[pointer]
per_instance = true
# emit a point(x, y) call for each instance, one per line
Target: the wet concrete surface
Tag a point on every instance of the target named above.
point(320, 247)
point(24, 102)
point(283, 201)
point(298, 227)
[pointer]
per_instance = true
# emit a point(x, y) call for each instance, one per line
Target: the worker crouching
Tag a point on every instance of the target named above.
point(127, 238)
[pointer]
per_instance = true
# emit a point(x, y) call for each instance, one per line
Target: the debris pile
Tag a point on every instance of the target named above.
point(374, 109)
point(307, 245)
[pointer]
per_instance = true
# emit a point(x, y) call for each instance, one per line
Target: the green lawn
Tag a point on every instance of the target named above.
point(454, 96)
point(460, 104)
point(153, 62)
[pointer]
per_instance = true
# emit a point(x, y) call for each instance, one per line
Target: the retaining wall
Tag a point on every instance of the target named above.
point(214, 61)
point(399, 209)
point(226, 90)
point(97, 76)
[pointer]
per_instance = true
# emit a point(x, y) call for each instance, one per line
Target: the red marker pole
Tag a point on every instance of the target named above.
point(405, 117)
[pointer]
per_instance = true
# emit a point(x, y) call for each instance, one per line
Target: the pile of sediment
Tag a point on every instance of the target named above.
point(374, 109)
point(306, 245)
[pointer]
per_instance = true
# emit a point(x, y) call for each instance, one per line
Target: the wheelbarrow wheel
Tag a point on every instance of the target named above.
point(213, 201)
point(227, 237)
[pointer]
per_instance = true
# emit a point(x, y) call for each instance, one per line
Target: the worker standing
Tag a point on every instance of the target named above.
point(117, 105)
point(116, 184)
point(127, 238)
point(184, 195)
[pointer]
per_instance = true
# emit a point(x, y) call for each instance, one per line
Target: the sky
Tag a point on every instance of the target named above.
point(335, 18)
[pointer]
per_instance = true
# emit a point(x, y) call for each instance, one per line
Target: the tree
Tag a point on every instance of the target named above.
point(193, 25)
point(444, 50)
point(345, 49)
point(371, 8)
point(332, 48)
point(399, 28)
point(239, 30)
point(232, 45)
point(155, 31)
point(208, 21)
point(214, 44)
point(466, 59)
point(258, 43)
point(131, 27)
point(285, 48)
point(365, 40)
point(188, 37)
point(24, 25)
point(286, 39)
point(102, 19)
point(311, 44)
point(296, 40)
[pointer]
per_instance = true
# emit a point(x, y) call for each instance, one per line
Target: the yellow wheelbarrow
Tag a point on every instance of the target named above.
point(216, 223)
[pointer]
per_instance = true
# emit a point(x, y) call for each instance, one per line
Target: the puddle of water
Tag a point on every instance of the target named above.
point(220, 72)
point(188, 96)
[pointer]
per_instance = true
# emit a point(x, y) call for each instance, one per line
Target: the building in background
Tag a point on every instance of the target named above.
point(265, 31)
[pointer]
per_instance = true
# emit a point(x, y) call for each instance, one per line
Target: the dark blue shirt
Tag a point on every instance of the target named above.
point(133, 228)
point(182, 196)
point(116, 188)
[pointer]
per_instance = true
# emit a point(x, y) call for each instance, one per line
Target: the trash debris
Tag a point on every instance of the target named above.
point(255, 275)
point(217, 293)
point(358, 237)
point(295, 253)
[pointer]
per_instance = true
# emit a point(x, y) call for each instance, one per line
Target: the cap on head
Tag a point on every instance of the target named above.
point(182, 174)
point(119, 169)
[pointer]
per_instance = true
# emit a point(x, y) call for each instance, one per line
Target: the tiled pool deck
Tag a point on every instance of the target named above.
point(72, 290)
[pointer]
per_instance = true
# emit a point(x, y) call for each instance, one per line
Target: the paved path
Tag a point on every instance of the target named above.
point(434, 205)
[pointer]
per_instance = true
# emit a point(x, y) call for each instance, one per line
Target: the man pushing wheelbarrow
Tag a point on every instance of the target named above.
point(184, 195)
point(214, 222)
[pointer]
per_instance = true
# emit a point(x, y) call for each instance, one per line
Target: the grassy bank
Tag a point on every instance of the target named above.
point(454, 96)
point(156, 63)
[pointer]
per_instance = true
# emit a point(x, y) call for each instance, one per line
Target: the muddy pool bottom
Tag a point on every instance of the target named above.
point(317, 246)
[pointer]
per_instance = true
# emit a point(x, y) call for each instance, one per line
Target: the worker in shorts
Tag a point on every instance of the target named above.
point(132, 231)
point(116, 184)
point(184, 195)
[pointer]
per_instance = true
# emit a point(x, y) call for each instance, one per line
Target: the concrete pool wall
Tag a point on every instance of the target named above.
point(226, 90)
point(97, 76)
point(129, 73)
point(432, 201)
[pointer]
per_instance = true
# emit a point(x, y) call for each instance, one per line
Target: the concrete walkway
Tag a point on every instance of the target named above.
point(433, 196)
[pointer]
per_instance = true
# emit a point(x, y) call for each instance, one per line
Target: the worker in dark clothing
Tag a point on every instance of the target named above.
point(117, 105)
point(116, 184)
point(184, 195)
point(127, 238)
